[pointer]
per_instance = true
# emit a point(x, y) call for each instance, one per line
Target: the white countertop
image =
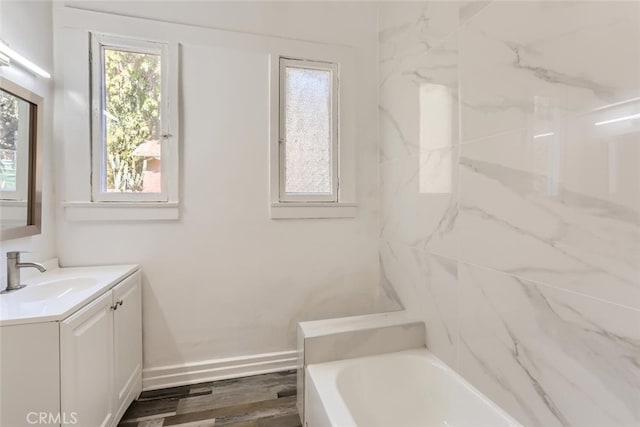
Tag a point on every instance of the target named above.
point(68, 289)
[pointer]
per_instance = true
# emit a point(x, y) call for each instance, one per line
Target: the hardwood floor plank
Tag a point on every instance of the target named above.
point(150, 409)
point(253, 379)
point(215, 401)
point(286, 392)
point(201, 389)
point(279, 408)
point(291, 420)
point(165, 393)
point(177, 392)
point(155, 422)
point(267, 400)
point(250, 423)
point(245, 412)
point(202, 423)
point(260, 383)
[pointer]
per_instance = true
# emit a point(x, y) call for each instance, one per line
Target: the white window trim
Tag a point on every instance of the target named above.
point(335, 102)
point(341, 204)
point(100, 42)
point(121, 211)
point(77, 49)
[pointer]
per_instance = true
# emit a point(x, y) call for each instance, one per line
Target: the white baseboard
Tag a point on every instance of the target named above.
point(217, 369)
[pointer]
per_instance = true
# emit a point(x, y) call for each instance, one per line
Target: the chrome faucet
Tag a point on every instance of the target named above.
point(13, 271)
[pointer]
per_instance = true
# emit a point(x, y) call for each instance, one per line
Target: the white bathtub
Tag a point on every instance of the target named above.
point(405, 389)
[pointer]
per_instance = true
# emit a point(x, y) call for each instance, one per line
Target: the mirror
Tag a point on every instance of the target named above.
point(20, 161)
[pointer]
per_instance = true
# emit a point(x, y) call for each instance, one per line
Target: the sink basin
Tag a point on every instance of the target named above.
point(57, 288)
point(54, 295)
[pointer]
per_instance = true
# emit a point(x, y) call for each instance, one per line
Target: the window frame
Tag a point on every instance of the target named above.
point(168, 166)
point(334, 69)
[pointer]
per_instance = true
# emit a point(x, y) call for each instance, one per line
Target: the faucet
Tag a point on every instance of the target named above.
point(13, 271)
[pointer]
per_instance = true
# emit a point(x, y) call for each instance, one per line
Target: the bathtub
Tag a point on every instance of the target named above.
point(410, 388)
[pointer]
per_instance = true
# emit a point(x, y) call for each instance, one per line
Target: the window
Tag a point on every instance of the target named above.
point(308, 131)
point(132, 143)
point(15, 121)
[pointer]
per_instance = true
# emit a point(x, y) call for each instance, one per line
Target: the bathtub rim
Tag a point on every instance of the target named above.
point(323, 377)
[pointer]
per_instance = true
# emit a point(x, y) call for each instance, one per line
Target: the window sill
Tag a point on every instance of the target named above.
point(121, 211)
point(13, 203)
point(291, 210)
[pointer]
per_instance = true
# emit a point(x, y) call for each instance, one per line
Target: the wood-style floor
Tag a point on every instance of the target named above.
point(260, 401)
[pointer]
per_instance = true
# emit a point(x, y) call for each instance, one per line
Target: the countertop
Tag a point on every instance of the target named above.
point(69, 289)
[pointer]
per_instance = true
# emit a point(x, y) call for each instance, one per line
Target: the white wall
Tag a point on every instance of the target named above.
point(33, 41)
point(514, 230)
point(225, 280)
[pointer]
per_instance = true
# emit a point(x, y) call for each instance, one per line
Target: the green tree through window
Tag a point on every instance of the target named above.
point(132, 114)
point(8, 135)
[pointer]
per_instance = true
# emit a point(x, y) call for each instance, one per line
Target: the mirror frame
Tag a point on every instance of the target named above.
point(34, 197)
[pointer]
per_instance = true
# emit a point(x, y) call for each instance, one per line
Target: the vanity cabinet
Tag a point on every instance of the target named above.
point(84, 369)
point(101, 356)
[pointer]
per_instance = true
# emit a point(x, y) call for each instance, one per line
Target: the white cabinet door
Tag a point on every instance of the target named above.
point(86, 364)
point(127, 330)
point(29, 374)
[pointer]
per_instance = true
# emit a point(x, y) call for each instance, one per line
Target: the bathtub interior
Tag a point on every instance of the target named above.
point(403, 389)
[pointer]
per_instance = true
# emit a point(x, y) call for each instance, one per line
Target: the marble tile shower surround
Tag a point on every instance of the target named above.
point(568, 232)
point(546, 59)
point(515, 235)
point(557, 195)
point(407, 163)
point(552, 357)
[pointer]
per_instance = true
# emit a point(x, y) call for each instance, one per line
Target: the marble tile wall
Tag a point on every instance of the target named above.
point(510, 197)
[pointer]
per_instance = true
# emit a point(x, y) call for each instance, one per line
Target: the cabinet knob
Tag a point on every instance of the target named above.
point(120, 302)
point(114, 306)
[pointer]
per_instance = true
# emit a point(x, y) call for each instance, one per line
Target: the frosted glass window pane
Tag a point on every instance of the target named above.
point(308, 131)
